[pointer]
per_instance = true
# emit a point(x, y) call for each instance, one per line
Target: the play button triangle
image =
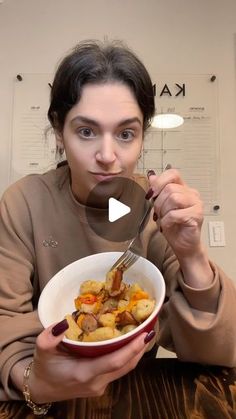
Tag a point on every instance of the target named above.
point(116, 209)
point(122, 207)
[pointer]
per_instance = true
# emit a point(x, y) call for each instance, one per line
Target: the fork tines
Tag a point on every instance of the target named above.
point(125, 261)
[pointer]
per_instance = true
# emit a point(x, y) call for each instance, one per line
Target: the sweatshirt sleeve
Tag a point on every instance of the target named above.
point(19, 323)
point(187, 324)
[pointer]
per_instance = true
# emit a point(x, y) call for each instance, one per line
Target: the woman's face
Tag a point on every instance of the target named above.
point(102, 136)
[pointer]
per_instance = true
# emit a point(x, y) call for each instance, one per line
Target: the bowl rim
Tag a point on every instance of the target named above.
point(117, 339)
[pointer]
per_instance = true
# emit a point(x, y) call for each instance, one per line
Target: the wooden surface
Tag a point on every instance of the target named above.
point(156, 389)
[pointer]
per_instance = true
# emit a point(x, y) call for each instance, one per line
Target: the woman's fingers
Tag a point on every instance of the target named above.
point(117, 364)
point(116, 360)
point(170, 193)
point(179, 211)
point(174, 197)
point(129, 366)
point(101, 381)
point(47, 344)
point(158, 182)
point(189, 217)
point(50, 338)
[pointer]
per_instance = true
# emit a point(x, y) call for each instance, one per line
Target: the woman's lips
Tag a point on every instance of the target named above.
point(105, 176)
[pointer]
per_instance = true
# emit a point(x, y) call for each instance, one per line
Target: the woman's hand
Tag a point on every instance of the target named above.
point(179, 213)
point(57, 375)
point(179, 210)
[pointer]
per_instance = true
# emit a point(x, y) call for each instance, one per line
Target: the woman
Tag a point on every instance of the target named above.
point(101, 104)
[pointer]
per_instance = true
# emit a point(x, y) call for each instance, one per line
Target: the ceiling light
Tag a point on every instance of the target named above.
point(167, 120)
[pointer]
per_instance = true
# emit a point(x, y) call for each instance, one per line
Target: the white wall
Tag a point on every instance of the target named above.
point(171, 36)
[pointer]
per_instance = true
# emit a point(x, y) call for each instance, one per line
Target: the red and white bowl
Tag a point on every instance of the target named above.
point(57, 298)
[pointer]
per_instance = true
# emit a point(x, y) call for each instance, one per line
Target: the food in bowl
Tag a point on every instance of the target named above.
point(57, 298)
point(106, 310)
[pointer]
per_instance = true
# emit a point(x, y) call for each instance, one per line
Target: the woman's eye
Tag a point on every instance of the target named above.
point(126, 135)
point(86, 132)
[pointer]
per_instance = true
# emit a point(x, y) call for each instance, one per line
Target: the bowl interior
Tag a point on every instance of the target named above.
point(57, 298)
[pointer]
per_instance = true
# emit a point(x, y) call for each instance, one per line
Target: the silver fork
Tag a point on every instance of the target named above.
point(129, 257)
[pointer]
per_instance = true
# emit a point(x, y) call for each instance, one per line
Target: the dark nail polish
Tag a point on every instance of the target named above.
point(149, 193)
point(149, 336)
point(60, 328)
point(155, 217)
point(150, 172)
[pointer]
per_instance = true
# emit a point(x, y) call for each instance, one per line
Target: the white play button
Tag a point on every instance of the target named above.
point(123, 205)
point(116, 209)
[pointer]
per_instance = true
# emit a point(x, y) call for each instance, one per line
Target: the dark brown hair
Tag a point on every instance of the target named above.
point(98, 62)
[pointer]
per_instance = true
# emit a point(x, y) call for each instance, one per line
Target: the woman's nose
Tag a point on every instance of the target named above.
point(106, 152)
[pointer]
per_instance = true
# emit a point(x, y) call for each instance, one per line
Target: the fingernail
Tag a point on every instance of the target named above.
point(168, 166)
point(151, 172)
point(149, 336)
point(59, 328)
point(149, 193)
point(155, 217)
point(160, 228)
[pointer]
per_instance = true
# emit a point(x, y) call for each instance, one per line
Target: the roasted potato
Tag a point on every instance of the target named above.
point(107, 319)
point(101, 333)
point(74, 331)
point(142, 309)
point(91, 287)
point(128, 328)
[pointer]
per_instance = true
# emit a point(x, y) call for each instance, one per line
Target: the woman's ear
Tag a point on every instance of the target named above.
point(59, 140)
point(59, 147)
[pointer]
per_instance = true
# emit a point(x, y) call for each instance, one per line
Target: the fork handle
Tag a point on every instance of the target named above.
point(145, 216)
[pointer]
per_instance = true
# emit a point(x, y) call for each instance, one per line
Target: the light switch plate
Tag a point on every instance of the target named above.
point(216, 233)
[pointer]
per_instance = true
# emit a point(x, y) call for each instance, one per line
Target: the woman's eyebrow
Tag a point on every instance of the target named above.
point(130, 121)
point(86, 120)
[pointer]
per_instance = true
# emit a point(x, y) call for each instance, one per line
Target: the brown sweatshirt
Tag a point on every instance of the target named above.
point(40, 209)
